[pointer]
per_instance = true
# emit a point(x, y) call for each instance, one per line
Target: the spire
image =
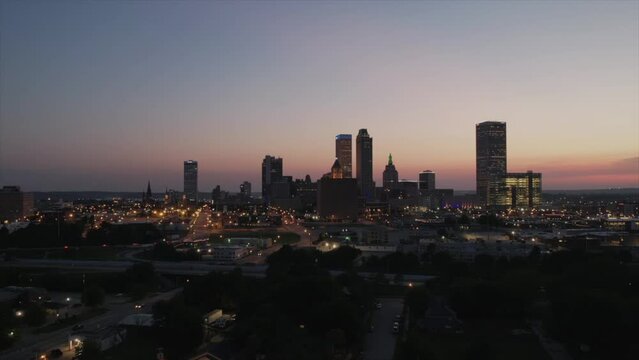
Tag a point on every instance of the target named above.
point(390, 159)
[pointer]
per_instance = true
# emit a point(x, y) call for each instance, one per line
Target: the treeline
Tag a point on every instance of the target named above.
point(587, 301)
point(299, 311)
point(71, 234)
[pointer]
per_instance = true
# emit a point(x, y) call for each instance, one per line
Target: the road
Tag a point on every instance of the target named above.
point(380, 344)
point(34, 344)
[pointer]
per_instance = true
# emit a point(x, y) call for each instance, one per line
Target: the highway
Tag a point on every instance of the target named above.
point(32, 345)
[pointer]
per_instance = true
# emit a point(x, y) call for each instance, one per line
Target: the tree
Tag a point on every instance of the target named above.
point(89, 350)
point(34, 314)
point(93, 296)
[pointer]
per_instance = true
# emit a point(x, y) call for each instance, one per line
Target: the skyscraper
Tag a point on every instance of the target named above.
point(344, 153)
point(365, 164)
point(491, 156)
point(390, 176)
point(271, 173)
point(190, 180)
point(426, 180)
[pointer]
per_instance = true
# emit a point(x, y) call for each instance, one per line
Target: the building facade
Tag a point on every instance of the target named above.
point(490, 156)
point(14, 204)
point(271, 173)
point(245, 190)
point(344, 153)
point(516, 190)
point(190, 180)
point(426, 181)
point(364, 154)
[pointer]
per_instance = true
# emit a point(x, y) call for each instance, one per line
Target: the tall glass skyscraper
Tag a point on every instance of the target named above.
point(365, 164)
point(190, 180)
point(491, 157)
point(344, 153)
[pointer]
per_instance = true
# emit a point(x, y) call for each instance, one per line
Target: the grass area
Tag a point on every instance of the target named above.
point(62, 323)
point(486, 338)
point(284, 237)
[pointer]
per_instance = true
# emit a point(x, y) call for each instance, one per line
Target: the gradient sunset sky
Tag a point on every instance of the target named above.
point(107, 95)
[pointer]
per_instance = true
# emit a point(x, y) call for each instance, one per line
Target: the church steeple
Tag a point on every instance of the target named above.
point(148, 195)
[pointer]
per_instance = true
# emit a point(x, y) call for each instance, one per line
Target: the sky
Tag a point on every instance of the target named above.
point(107, 95)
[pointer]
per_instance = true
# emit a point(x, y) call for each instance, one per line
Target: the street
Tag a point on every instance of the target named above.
point(31, 345)
point(380, 344)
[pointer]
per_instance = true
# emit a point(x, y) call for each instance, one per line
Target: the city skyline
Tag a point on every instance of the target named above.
point(106, 96)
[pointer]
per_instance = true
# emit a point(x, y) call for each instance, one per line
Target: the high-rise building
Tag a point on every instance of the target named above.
point(271, 173)
point(426, 180)
point(337, 196)
point(364, 164)
point(344, 153)
point(491, 156)
point(245, 189)
point(14, 204)
point(390, 176)
point(336, 170)
point(190, 180)
point(516, 190)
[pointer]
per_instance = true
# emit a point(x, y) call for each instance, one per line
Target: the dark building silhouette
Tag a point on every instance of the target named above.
point(245, 190)
point(364, 164)
point(190, 180)
point(147, 196)
point(390, 176)
point(344, 153)
point(426, 180)
point(271, 173)
point(490, 157)
point(337, 198)
point(14, 204)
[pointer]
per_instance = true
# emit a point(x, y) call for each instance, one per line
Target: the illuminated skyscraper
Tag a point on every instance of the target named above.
point(190, 180)
point(491, 157)
point(365, 164)
point(344, 153)
point(390, 177)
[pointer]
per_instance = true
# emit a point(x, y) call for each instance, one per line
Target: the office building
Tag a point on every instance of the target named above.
point(245, 190)
point(337, 197)
point(390, 177)
point(364, 154)
point(516, 190)
point(344, 153)
point(426, 181)
point(490, 156)
point(336, 170)
point(190, 180)
point(271, 173)
point(14, 204)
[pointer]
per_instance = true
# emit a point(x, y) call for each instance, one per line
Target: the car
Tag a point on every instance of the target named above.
point(395, 329)
point(139, 306)
point(55, 353)
point(378, 305)
point(77, 327)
